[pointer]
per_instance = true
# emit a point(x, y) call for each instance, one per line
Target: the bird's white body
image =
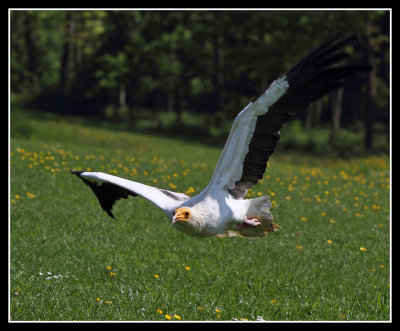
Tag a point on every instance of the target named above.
point(220, 210)
point(222, 217)
point(215, 212)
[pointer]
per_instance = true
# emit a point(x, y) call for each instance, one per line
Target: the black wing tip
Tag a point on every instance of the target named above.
point(107, 194)
point(109, 213)
point(75, 172)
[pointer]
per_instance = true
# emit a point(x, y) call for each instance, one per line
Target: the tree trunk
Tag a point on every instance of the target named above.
point(336, 113)
point(122, 96)
point(218, 66)
point(318, 112)
point(368, 119)
point(31, 50)
point(309, 117)
point(67, 52)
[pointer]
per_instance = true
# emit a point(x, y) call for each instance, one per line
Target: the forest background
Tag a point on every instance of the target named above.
point(187, 73)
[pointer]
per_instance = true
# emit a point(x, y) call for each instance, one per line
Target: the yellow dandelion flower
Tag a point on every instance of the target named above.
point(159, 311)
point(332, 221)
point(171, 185)
point(168, 317)
point(156, 276)
point(323, 214)
point(190, 190)
point(200, 308)
point(363, 249)
point(303, 218)
point(329, 241)
point(299, 247)
point(381, 266)
point(218, 310)
point(218, 316)
point(98, 299)
point(109, 268)
point(187, 268)
point(177, 316)
point(112, 273)
point(30, 194)
point(16, 196)
point(272, 300)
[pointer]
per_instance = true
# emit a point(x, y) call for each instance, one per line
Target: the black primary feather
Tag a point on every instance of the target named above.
point(106, 193)
point(310, 79)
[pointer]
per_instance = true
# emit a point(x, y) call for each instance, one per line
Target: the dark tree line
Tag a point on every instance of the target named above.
point(122, 64)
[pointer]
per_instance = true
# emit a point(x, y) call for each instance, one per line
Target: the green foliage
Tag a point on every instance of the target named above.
point(177, 45)
point(318, 142)
point(345, 143)
point(348, 143)
point(113, 70)
point(294, 136)
point(20, 126)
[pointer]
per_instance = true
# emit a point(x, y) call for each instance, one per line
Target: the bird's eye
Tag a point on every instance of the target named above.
point(186, 213)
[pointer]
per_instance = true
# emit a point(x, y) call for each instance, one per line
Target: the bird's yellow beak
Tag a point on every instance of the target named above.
point(182, 215)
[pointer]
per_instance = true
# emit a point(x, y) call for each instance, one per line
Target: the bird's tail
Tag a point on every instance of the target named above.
point(258, 209)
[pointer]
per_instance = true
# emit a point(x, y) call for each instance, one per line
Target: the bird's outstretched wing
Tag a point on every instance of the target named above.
point(108, 189)
point(255, 131)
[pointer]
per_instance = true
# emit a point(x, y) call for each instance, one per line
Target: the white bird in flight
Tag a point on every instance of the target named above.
point(219, 209)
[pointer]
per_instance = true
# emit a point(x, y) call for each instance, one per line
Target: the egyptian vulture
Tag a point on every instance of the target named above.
point(220, 210)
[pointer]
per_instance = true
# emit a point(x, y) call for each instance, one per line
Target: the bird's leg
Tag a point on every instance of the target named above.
point(249, 222)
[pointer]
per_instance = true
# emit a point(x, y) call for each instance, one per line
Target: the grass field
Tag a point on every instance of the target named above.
point(70, 261)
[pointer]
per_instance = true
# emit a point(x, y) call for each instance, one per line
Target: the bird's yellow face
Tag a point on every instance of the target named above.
point(182, 215)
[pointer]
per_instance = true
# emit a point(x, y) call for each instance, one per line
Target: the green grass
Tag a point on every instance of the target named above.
point(329, 262)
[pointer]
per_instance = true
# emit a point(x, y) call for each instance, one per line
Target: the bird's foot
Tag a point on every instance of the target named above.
point(249, 222)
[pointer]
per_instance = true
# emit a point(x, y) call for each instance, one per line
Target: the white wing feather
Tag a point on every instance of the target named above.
point(164, 199)
point(230, 164)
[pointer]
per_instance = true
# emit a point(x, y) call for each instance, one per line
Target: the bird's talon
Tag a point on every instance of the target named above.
point(251, 222)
